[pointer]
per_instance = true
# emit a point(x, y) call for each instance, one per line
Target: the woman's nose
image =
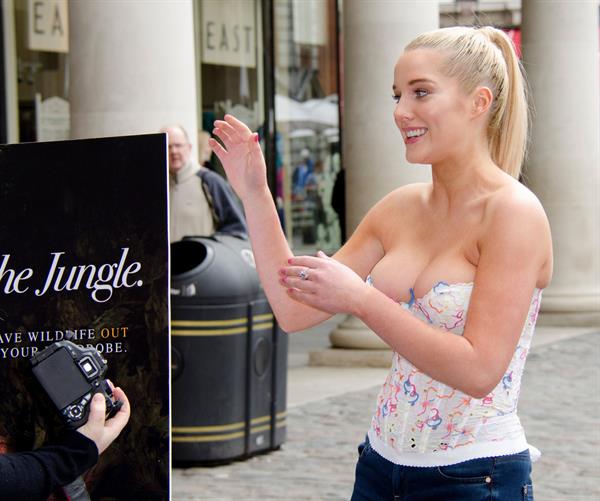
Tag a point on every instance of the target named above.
point(402, 113)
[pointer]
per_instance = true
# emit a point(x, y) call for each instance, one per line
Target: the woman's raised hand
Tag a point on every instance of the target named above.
point(241, 157)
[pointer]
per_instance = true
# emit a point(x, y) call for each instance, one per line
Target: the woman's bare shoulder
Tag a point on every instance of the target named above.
point(392, 210)
point(516, 222)
point(514, 200)
point(404, 197)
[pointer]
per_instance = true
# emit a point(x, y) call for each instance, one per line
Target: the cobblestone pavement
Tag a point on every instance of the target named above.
point(559, 409)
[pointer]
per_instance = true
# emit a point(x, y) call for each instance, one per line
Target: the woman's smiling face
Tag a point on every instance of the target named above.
point(432, 110)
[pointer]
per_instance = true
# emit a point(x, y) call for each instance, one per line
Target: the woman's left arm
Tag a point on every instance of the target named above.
point(514, 252)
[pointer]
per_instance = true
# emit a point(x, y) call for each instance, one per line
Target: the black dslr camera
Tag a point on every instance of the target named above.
point(71, 375)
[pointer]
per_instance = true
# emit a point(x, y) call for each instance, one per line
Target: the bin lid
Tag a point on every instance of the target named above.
point(213, 270)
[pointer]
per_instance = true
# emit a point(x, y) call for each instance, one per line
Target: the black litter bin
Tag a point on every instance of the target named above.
point(228, 356)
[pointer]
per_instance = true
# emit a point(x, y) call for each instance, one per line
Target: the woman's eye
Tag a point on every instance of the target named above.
point(396, 98)
point(421, 92)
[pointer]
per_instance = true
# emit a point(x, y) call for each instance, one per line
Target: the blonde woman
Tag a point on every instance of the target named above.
point(448, 273)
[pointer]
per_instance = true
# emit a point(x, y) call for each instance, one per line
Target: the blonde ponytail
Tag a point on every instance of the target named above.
point(486, 56)
point(509, 126)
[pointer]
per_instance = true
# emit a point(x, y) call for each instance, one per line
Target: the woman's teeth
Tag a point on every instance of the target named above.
point(415, 132)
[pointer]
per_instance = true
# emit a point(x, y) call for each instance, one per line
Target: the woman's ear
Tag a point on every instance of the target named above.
point(482, 101)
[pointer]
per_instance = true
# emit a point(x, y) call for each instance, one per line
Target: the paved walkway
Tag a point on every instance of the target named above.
point(559, 408)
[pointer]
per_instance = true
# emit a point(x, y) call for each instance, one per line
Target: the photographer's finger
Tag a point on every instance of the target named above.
point(97, 409)
point(120, 419)
point(119, 394)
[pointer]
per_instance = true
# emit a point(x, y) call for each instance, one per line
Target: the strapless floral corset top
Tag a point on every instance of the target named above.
point(417, 414)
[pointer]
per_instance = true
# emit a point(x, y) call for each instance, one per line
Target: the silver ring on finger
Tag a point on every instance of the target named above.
point(303, 274)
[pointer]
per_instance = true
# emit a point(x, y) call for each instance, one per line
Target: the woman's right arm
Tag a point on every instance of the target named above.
point(245, 167)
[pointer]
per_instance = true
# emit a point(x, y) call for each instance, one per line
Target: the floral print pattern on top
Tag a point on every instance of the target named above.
point(417, 414)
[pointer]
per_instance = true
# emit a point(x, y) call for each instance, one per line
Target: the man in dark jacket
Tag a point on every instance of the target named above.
point(201, 201)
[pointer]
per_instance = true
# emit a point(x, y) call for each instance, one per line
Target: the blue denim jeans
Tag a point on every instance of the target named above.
point(502, 478)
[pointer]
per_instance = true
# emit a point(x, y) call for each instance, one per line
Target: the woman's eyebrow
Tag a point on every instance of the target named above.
point(420, 80)
point(416, 81)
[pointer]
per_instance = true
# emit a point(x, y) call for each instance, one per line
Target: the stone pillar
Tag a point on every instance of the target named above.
point(132, 66)
point(560, 53)
point(375, 33)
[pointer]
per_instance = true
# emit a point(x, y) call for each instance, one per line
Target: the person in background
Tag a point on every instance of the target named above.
point(448, 273)
point(301, 175)
point(204, 149)
point(35, 475)
point(201, 202)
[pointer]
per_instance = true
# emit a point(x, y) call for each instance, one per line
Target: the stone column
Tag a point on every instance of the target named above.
point(132, 66)
point(560, 53)
point(375, 33)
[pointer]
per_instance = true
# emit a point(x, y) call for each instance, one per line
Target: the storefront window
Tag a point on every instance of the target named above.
point(41, 33)
point(307, 123)
point(229, 46)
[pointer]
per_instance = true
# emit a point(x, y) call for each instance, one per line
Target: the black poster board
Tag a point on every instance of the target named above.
point(3, 111)
point(84, 247)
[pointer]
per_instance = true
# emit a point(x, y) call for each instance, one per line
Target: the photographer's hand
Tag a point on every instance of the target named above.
point(101, 431)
